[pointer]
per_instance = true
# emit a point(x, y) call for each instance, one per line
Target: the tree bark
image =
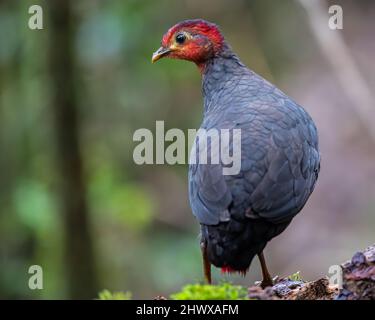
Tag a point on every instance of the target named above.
point(79, 254)
point(359, 276)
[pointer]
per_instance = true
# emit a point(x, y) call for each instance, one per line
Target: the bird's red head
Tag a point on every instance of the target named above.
point(194, 40)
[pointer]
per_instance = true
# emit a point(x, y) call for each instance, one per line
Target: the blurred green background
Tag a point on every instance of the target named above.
point(71, 95)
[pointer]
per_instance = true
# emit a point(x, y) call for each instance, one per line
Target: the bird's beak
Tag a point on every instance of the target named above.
point(160, 53)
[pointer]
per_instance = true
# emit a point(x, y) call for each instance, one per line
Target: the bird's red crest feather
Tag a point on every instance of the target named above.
point(206, 28)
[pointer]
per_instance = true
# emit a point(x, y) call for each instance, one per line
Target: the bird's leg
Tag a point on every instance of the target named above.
point(267, 280)
point(206, 263)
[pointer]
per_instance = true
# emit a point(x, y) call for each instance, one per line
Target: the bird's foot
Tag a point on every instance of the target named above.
point(267, 282)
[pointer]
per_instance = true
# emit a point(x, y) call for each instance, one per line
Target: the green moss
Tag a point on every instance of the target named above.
point(295, 277)
point(225, 291)
point(107, 295)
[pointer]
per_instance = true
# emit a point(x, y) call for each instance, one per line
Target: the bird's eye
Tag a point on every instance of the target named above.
point(180, 38)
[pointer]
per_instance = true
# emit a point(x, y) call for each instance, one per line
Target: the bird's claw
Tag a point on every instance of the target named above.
point(267, 283)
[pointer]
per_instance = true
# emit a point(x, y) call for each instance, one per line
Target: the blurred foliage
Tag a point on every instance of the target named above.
point(127, 204)
point(107, 295)
point(224, 291)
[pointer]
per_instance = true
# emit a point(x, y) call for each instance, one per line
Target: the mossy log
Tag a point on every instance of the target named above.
point(358, 283)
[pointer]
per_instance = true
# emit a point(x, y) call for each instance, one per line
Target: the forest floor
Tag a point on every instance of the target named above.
point(354, 280)
point(358, 283)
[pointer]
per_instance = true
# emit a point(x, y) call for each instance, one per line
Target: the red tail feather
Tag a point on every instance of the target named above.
point(228, 269)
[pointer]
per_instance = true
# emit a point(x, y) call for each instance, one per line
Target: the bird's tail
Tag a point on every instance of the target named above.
point(231, 250)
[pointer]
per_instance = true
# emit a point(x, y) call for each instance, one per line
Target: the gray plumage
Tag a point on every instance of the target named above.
point(280, 163)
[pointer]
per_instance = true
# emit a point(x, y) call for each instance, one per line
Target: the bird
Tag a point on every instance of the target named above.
point(280, 159)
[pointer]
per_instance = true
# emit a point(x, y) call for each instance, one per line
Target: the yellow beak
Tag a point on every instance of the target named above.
point(160, 53)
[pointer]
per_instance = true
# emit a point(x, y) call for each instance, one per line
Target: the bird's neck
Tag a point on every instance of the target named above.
point(219, 74)
point(225, 53)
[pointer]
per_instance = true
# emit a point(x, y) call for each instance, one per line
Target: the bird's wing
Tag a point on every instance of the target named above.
point(209, 193)
point(291, 164)
point(279, 168)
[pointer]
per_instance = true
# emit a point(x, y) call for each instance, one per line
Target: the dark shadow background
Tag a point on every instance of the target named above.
point(71, 95)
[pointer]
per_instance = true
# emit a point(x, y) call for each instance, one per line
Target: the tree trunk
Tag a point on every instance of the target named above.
point(79, 254)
